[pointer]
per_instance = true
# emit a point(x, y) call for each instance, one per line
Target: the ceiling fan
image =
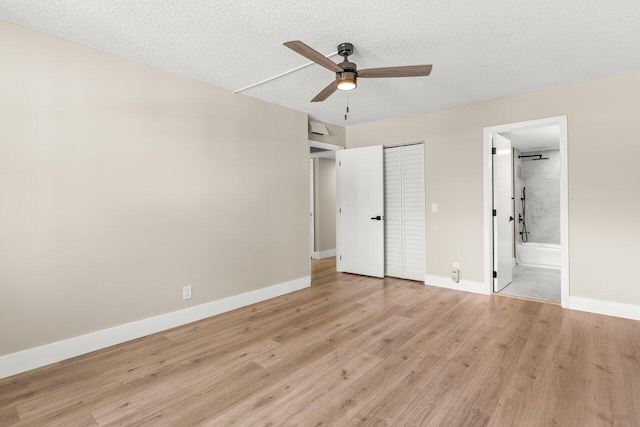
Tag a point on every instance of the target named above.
point(347, 73)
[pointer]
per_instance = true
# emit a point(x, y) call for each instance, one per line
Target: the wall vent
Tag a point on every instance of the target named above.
point(318, 128)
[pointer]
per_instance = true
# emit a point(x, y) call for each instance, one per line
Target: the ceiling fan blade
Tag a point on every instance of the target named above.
point(408, 71)
point(326, 92)
point(304, 50)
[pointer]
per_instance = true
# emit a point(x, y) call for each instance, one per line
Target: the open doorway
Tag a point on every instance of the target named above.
point(526, 193)
point(322, 199)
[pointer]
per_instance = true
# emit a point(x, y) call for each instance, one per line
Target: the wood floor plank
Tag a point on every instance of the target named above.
point(399, 397)
point(568, 372)
point(71, 419)
point(352, 350)
point(8, 416)
point(628, 354)
point(167, 390)
point(608, 404)
point(364, 342)
point(328, 376)
point(334, 409)
point(519, 403)
point(160, 409)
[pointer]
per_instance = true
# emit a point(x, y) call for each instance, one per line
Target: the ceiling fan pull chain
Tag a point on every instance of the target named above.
point(346, 96)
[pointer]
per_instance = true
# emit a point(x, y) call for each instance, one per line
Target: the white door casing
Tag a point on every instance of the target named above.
point(502, 227)
point(360, 210)
point(311, 210)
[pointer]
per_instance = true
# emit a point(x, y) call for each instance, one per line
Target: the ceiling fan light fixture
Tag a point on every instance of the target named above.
point(346, 80)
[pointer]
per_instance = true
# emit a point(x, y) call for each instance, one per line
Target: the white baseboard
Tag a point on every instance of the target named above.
point(414, 276)
point(609, 308)
point(463, 285)
point(324, 254)
point(26, 360)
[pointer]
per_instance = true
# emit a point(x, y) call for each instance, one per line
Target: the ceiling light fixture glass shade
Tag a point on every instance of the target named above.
point(346, 81)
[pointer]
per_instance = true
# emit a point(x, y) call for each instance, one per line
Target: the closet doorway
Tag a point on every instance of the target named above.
point(380, 215)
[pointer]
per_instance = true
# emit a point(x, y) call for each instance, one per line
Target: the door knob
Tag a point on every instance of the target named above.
point(377, 218)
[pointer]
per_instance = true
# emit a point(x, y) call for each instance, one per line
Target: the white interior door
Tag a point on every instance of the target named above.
point(502, 227)
point(360, 210)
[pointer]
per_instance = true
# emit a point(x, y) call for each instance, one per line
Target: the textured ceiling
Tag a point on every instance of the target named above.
point(481, 49)
point(542, 138)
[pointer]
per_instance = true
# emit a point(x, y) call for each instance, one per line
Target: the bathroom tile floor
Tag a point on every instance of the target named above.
point(531, 282)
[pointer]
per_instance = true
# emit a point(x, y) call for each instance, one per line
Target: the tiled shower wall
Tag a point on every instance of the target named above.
point(541, 178)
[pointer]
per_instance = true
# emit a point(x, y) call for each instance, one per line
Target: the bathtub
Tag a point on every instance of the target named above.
point(544, 255)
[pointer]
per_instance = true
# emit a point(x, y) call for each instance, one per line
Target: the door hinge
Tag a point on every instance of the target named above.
point(340, 163)
point(495, 274)
point(493, 150)
point(340, 210)
point(494, 212)
point(340, 257)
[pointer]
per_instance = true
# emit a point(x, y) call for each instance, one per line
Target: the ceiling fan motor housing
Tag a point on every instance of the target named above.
point(345, 49)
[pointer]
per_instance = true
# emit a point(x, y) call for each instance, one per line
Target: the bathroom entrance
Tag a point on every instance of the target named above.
point(526, 234)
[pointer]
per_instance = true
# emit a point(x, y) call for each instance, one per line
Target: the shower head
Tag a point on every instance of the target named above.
point(533, 157)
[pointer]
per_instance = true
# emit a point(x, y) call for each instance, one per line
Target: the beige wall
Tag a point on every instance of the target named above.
point(324, 204)
point(604, 190)
point(121, 183)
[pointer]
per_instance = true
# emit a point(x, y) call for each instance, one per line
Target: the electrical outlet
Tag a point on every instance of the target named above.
point(186, 292)
point(456, 265)
point(434, 208)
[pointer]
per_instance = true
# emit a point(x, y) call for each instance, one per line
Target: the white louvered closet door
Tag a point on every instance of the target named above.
point(405, 233)
point(392, 212)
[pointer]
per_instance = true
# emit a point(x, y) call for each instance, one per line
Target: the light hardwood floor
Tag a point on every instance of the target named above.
point(352, 350)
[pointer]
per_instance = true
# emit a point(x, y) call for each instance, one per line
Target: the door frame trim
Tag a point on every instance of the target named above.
point(488, 133)
point(329, 154)
point(311, 216)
